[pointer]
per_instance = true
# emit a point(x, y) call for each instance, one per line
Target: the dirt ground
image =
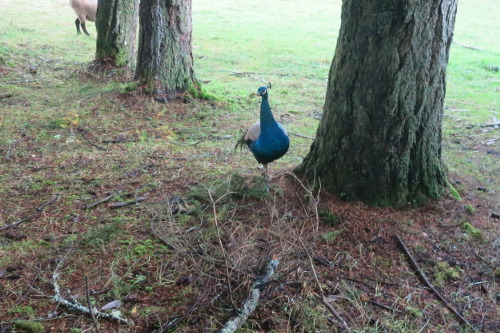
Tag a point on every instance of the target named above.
point(187, 247)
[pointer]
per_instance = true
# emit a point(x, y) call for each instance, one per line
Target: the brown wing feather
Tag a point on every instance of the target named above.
point(253, 132)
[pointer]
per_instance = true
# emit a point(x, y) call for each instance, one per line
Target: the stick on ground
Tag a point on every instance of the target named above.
point(51, 201)
point(82, 132)
point(253, 299)
point(75, 305)
point(126, 203)
point(428, 284)
point(89, 304)
point(333, 312)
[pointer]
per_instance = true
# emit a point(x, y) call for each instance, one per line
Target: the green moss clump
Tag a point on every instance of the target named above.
point(102, 233)
point(195, 89)
point(331, 236)
point(470, 209)
point(236, 185)
point(445, 272)
point(415, 312)
point(454, 193)
point(23, 310)
point(29, 326)
point(128, 87)
point(328, 218)
point(470, 230)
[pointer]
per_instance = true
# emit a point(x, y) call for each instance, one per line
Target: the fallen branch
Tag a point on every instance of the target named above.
point(15, 224)
point(429, 285)
point(301, 136)
point(126, 203)
point(323, 261)
point(182, 158)
point(82, 131)
point(321, 297)
point(51, 201)
point(24, 219)
point(109, 197)
point(158, 236)
point(75, 305)
point(253, 299)
point(358, 281)
point(333, 312)
point(89, 304)
point(384, 306)
point(468, 46)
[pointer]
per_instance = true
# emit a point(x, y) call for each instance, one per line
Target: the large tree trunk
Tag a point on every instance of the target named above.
point(116, 26)
point(379, 140)
point(165, 59)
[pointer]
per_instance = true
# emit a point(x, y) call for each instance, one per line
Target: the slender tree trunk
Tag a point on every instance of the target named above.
point(116, 26)
point(165, 59)
point(379, 140)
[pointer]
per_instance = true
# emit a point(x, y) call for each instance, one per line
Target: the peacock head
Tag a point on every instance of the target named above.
point(261, 91)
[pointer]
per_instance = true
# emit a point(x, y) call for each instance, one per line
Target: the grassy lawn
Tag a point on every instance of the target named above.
point(196, 226)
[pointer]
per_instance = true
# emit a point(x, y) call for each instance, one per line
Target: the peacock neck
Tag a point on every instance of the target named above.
point(266, 116)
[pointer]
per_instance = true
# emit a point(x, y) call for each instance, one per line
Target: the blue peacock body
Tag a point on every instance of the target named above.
point(266, 139)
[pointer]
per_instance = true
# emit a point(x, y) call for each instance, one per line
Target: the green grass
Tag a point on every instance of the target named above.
point(472, 92)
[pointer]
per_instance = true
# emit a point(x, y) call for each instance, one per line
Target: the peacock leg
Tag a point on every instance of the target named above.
point(266, 177)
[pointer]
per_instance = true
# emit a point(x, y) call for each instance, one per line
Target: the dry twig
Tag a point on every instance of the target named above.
point(313, 200)
point(126, 203)
point(301, 136)
point(372, 301)
point(321, 297)
point(224, 254)
point(75, 305)
point(468, 46)
point(15, 224)
point(428, 284)
point(89, 304)
point(82, 131)
point(333, 312)
point(253, 299)
point(158, 236)
point(101, 201)
point(24, 219)
point(51, 201)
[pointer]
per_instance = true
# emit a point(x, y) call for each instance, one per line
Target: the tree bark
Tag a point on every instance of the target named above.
point(165, 58)
point(116, 25)
point(379, 140)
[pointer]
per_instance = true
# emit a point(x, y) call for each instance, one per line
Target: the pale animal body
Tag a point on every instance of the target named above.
point(86, 10)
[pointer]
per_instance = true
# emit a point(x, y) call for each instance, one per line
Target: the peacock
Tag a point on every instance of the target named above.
point(266, 139)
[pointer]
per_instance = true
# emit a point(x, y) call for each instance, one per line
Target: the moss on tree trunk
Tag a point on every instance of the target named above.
point(379, 140)
point(116, 25)
point(165, 59)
